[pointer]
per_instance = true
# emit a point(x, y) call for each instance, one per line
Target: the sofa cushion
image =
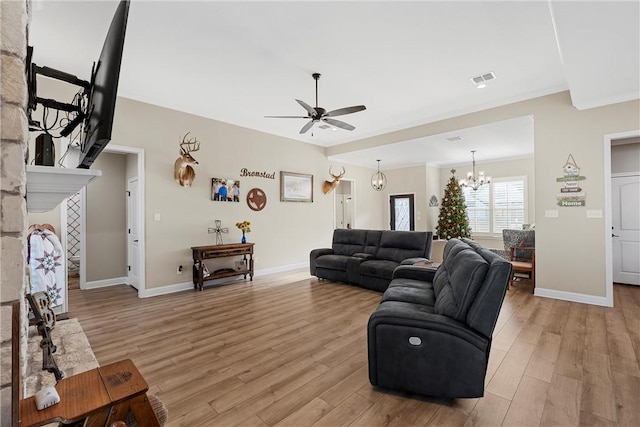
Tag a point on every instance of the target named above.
point(378, 267)
point(372, 242)
point(458, 280)
point(400, 245)
point(348, 242)
point(333, 262)
point(411, 291)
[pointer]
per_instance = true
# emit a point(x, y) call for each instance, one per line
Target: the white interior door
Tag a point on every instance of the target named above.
point(133, 234)
point(626, 229)
point(339, 202)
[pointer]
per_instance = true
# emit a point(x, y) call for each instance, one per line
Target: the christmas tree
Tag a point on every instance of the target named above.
point(453, 220)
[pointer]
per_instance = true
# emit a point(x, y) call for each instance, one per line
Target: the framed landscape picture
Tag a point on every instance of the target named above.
point(296, 187)
point(225, 190)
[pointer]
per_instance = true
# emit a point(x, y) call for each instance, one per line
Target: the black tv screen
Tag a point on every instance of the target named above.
point(104, 88)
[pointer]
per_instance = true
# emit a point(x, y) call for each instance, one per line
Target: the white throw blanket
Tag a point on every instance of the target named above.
point(47, 265)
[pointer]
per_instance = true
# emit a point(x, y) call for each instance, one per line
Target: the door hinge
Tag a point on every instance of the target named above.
point(128, 193)
point(129, 230)
point(129, 267)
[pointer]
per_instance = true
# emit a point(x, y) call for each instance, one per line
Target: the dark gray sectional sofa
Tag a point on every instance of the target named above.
point(367, 258)
point(431, 334)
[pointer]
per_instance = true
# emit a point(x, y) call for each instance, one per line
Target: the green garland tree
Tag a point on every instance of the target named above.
point(453, 220)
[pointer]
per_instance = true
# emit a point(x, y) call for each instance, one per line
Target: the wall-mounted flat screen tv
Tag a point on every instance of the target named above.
point(104, 88)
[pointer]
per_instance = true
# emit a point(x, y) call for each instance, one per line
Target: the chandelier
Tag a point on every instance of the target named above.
point(378, 179)
point(474, 181)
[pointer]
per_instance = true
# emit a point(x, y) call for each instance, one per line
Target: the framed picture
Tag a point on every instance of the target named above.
point(225, 190)
point(296, 187)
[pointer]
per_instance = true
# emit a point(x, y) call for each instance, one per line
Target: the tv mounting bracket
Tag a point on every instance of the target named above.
point(34, 100)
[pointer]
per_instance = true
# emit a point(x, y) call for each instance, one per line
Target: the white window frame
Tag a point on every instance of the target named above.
point(491, 233)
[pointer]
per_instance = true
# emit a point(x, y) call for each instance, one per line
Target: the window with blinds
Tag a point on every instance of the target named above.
point(499, 205)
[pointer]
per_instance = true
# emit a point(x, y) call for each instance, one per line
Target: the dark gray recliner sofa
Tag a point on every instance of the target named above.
point(431, 334)
point(367, 258)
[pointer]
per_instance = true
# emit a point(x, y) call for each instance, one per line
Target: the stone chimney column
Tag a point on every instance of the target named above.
point(14, 134)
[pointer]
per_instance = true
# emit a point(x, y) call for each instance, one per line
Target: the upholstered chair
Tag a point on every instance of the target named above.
point(520, 246)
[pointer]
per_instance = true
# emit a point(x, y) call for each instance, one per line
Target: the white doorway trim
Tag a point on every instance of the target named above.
point(353, 201)
point(140, 174)
point(608, 220)
point(139, 152)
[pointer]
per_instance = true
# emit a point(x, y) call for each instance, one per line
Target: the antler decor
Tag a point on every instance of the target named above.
point(328, 186)
point(183, 172)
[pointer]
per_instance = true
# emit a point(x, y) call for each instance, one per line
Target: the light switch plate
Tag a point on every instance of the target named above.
point(156, 217)
point(594, 213)
point(551, 213)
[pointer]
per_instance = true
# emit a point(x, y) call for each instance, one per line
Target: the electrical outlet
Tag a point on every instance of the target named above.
point(179, 270)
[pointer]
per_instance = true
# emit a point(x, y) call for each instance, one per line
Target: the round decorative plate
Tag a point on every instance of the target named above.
point(256, 199)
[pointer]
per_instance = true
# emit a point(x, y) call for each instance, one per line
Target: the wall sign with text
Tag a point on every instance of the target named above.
point(571, 194)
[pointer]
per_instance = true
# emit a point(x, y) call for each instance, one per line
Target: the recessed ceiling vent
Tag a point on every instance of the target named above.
point(454, 138)
point(480, 81)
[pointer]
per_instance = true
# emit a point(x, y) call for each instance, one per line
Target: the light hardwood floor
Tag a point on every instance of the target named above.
point(289, 350)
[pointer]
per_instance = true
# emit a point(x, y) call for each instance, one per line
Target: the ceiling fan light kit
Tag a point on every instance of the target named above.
point(317, 114)
point(378, 179)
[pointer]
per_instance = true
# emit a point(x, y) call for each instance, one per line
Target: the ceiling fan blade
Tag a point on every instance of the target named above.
point(346, 110)
point(338, 123)
point(287, 117)
point(309, 108)
point(307, 126)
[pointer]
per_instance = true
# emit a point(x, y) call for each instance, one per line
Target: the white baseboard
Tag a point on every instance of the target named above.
point(573, 297)
point(106, 282)
point(179, 287)
point(163, 290)
point(281, 269)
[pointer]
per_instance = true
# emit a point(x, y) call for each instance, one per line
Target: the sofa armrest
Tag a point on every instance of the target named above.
point(363, 256)
point(314, 254)
point(415, 272)
point(411, 261)
point(402, 314)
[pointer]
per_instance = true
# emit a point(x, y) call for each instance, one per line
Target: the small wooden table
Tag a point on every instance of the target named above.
point(200, 253)
point(433, 265)
point(102, 396)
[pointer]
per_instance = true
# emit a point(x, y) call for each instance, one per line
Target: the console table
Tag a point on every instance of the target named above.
point(200, 253)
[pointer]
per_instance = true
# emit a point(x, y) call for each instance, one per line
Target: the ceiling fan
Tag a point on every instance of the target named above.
point(317, 114)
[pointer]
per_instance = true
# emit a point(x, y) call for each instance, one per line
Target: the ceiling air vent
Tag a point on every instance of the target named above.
point(454, 138)
point(481, 80)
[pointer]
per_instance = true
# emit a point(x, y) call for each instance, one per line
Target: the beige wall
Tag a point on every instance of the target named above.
point(284, 232)
point(570, 249)
point(106, 219)
point(625, 158)
point(434, 187)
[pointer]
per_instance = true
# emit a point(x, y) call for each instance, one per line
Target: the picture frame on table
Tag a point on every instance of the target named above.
point(296, 187)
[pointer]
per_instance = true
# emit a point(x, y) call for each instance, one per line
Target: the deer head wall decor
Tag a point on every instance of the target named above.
point(182, 170)
point(328, 186)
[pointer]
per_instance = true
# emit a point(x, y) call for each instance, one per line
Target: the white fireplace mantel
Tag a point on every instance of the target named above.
point(48, 186)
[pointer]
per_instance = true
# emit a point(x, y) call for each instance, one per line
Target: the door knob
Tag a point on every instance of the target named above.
point(614, 235)
point(135, 241)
